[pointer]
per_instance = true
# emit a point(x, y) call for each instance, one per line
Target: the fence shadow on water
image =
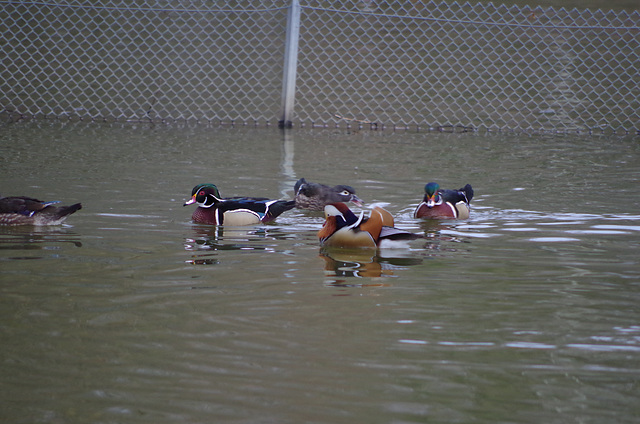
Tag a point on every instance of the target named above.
point(370, 64)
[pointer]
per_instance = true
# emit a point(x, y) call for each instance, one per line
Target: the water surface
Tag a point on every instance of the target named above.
point(525, 313)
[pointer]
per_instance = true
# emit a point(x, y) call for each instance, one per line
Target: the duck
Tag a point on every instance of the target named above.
point(315, 196)
point(442, 204)
point(23, 210)
point(342, 228)
point(236, 211)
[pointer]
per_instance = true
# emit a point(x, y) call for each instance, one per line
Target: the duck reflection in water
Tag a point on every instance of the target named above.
point(438, 239)
point(213, 240)
point(36, 242)
point(361, 263)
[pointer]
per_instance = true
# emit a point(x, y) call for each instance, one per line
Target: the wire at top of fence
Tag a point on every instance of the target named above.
point(333, 10)
point(473, 22)
point(142, 9)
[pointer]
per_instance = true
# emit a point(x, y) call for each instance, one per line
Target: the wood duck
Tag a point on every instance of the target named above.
point(22, 210)
point(342, 228)
point(440, 203)
point(216, 210)
point(315, 197)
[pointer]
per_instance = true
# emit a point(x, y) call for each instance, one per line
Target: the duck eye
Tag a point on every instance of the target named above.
point(345, 192)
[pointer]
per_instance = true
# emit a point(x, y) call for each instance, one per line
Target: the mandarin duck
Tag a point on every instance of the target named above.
point(214, 209)
point(21, 210)
point(342, 228)
point(315, 196)
point(440, 203)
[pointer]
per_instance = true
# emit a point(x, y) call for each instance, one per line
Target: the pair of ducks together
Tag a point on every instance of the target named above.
point(342, 228)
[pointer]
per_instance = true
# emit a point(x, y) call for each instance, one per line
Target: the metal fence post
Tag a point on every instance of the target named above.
point(290, 64)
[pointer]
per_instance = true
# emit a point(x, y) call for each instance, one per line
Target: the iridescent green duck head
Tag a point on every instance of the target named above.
point(431, 194)
point(205, 195)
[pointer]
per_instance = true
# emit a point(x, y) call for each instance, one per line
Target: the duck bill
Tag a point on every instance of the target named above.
point(190, 202)
point(357, 201)
point(430, 202)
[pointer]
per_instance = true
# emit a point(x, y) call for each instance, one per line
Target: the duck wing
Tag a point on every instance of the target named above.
point(465, 194)
point(23, 205)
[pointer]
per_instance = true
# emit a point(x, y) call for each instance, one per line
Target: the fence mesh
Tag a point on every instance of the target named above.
point(366, 63)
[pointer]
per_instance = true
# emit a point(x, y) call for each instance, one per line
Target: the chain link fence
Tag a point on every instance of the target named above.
point(366, 63)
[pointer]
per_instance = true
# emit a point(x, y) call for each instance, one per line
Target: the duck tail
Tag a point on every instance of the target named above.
point(468, 192)
point(278, 207)
point(392, 233)
point(299, 183)
point(55, 214)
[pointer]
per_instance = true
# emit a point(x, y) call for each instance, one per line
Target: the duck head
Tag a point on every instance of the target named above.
point(431, 196)
point(347, 194)
point(205, 195)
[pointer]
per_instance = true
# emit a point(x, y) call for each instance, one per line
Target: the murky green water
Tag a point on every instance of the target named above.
point(526, 313)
